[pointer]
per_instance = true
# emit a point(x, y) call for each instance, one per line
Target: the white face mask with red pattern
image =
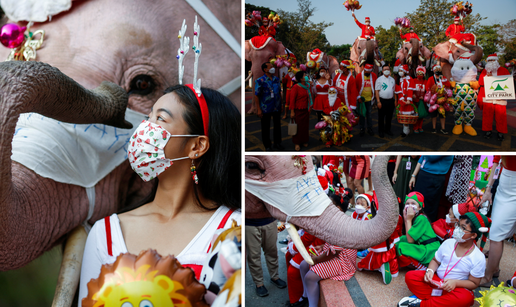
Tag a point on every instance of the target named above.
point(146, 150)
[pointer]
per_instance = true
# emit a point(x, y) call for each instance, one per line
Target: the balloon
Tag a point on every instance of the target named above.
point(449, 92)
point(497, 296)
point(272, 61)
point(508, 65)
point(302, 67)
point(320, 125)
point(310, 64)
point(428, 95)
point(12, 35)
point(288, 64)
point(248, 23)
point(433, 99)
point(146, 280)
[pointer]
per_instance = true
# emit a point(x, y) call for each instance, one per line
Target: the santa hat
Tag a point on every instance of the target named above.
point(367, 19)
point(396, 65)
point(421, 69)
point(332, 88)
point(367, 197)
point(481, 225)
point(368, 67)
point(418, 197)
point(456, 18)
point(493, 56)
point(324, 183)
point(465, 56)
point(461, 209)
point(404, 68)
point(346, 63)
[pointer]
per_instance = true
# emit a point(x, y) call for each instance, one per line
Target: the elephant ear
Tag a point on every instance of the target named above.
point(442, 49)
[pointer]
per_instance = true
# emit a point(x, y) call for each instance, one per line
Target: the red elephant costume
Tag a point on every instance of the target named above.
point(367, 31)
point(384, 252)
point(492, 109)
point(294, 259)
point(346, 87)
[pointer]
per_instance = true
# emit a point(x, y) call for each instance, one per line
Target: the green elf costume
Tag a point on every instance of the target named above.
point(422, 251)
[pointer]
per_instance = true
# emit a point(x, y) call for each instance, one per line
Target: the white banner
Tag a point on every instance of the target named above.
point(500, 87)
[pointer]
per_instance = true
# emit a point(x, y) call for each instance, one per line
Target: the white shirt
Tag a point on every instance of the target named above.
point(96, 254)
point(474, 263)
point(386, 86)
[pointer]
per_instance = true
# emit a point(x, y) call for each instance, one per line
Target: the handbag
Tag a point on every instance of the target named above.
point(421, 109)
point(362, 111)
point(292, 127)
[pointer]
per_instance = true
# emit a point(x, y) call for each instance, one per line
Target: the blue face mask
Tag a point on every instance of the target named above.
point(306, 79)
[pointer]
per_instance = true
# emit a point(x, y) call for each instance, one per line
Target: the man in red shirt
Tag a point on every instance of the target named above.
point(266, 30)
point(367, 29)
point(410, 35)
point(492, 108)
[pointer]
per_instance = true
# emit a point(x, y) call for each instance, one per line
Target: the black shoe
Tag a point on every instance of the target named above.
point(362, 132)
point(370, 132)
point(434, 130)
point(500, 137)
point(285, 241)
point(403, 135)
point(278, 147)
point(262, 291)
point(389, 133)
point(487, 135)
point(443, 131)
point(381, 134)
point(279, 283)
point(302, 303)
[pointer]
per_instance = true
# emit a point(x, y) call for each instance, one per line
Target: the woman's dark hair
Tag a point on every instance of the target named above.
point(299, 75)
point(219, 169)
point(342, 201)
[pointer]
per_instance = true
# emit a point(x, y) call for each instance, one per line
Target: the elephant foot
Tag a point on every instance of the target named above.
point(457, 129)
point(470, 130)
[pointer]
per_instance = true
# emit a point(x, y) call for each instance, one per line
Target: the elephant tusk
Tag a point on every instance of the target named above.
point(292, 231)
point(68, 279)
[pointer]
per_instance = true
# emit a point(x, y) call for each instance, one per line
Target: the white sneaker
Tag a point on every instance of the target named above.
point(409, 302)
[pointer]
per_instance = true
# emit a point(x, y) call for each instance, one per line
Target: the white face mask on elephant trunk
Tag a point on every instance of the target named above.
point(146, 151)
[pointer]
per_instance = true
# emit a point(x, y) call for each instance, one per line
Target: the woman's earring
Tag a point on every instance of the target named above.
point(194, 173)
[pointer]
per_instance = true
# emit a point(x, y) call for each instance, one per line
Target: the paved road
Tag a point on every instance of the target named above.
point(413, 142)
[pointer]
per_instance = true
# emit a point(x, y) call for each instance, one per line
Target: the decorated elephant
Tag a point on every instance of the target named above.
point(287, 188)
point(365, 52)
point(317, 59)
point(447, 58)
point(465, 89)
point(413, 53)
point(259, 55)
point(53, 184)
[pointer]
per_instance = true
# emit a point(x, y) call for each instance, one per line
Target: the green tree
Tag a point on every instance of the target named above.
point(341, 52)
point(299, 34)
point(389, 43)
point(507, 35)
point(432, 18)
point(488, 38)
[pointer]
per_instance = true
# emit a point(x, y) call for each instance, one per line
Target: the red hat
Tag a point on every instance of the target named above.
point(368, 67)
point(493, 56)
point(324, 183)
point(465, 56)
point(418, 197)
point(421, 69)
point(397, 64)
point(367, 19)
point(345, 63)
point(461, 209)
point(456, 18)
point(404, 68)
point(367, 197)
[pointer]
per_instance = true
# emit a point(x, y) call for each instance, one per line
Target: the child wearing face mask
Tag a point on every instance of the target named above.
point(418, 247)
point(456, 269)
point(362, 207)
point(444, 227)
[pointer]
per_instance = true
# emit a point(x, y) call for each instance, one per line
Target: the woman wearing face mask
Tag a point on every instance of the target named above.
point(322, 85)
point(456, 269)
point(418, 247)
point(300, 105)
point(187, 147)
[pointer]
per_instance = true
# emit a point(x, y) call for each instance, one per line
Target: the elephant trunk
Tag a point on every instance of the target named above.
point(335, 227)
point(40, 88)
point(370, 52)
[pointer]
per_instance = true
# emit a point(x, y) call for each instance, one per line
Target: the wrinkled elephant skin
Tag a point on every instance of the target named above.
point(370, 46)
point(411, 48)
point(98, 41)
point(442, 51)
point(332, 225)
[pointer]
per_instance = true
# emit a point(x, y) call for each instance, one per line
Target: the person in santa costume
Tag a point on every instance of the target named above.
point(492, 108)
point(439, 81)
point(362, 207)
point(332, 102)
point(367, 29)
point(443, 228)
point(322, 85)
point(345, 84)
point(456, 269)
point(455, 34)
point(418, 247)
point(419, 94)
point(365, 87)
point(382, 257)
point(267, 29)
point(405, 92)
point(410, 35)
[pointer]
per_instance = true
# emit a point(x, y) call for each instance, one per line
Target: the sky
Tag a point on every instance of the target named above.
point(381, 12)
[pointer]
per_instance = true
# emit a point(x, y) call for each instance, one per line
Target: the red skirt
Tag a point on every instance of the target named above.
point(302, 118)
point(319, 101)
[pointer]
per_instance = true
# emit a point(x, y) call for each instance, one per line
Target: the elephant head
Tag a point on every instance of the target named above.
point(364, 50)
point(331, 225)
point(447, 59)
point(413, 53)
point(125, 42)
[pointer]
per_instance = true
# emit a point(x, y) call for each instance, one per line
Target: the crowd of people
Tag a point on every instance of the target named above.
point(404, 90)
point(439, 236)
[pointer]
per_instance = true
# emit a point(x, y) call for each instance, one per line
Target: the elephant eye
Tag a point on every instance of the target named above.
point(142, 85)
point(253, 166)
